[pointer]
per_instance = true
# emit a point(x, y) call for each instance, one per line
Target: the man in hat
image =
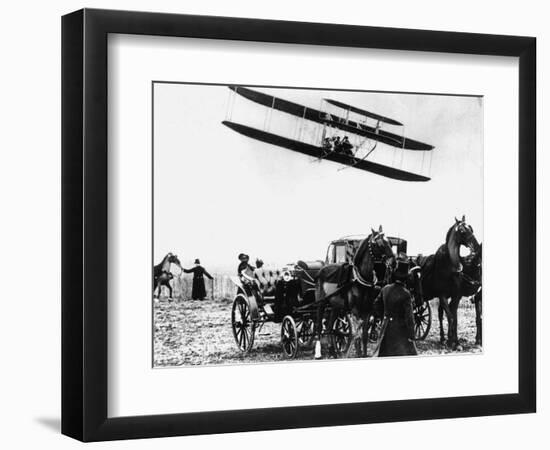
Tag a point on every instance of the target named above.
point(246, 273)
point(199, 272)
point(395, 304)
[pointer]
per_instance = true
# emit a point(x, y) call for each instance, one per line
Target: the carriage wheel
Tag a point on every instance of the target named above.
point(243, 326)
point(422, 321)
point(289, 337)
point(341, 334)
point(306, 329)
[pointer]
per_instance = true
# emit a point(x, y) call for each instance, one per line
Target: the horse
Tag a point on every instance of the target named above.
point(162, 274)
point(472, 269)
point(353, 287)
point(442, 277)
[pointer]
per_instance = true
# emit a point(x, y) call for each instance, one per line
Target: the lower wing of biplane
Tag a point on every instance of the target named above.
point(334, 122)
point(320, 152)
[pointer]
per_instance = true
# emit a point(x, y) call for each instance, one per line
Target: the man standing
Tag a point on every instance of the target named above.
point(199, 272)
point(395, 304)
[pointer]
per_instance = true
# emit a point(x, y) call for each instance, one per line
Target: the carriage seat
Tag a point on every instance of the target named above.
point(267, 279)
point(338, 274)
point(311, 265)
point(312, 268)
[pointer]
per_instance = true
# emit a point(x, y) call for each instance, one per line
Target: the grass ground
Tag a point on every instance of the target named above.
point(194, 332)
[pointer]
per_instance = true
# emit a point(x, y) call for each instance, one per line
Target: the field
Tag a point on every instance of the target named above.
point(194, 332)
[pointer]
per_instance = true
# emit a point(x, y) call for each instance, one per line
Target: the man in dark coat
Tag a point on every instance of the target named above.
point(396, 304)
point(199, 272)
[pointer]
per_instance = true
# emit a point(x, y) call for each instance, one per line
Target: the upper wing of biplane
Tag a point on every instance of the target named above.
point(320, 117)
point(315, 151)
point(363, 112)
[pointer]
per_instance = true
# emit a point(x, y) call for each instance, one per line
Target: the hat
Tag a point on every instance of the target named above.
point(401, 271)
point(242, 257)
point(197, 261)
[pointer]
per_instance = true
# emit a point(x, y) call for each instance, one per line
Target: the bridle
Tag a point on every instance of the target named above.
point(467, 238)
point(382, 259)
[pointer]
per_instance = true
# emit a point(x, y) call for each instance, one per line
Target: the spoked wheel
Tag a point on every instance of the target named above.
point(305, 331)
point(374, 329)
point(422, 321)
point(243, 326)
point(289, 337)
point(341, 334)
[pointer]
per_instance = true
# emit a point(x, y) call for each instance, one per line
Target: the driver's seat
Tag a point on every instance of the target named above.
point(312, 268)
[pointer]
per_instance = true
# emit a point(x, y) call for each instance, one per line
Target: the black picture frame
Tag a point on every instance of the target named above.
point(84, 224)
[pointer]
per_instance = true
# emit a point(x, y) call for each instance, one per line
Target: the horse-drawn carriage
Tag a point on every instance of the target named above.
point(285, 296)
point(288, 296)
point(343, 251)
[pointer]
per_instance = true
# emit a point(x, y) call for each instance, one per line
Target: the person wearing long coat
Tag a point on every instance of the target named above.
point(395, 302)
point(199, 272)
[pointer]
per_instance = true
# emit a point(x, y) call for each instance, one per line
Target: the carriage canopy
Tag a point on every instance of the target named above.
point(343, 249)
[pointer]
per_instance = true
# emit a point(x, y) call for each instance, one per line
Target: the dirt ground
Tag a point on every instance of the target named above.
point(194, 332)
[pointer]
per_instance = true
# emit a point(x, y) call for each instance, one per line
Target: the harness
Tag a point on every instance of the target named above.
point(311, 281)
point(357, 277)
point(375, 261)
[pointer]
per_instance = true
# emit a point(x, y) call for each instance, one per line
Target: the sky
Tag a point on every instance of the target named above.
point(218, 193)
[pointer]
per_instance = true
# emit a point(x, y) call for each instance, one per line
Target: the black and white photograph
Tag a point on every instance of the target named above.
point(272, 225)
point(314, 224)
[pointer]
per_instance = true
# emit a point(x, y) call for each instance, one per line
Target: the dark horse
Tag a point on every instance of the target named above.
point(162, 274)
point(443, 277)
point(353, 287)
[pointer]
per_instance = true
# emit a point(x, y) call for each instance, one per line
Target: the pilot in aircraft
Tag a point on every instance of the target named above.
point(346, 147)
point(327, 143)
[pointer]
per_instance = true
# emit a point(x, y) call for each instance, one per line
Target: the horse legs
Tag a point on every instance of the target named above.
point(444, 306)
point(477, 303)
point(169, 289)
point(319, 328)
point(440, 315)
point(357, 335)
point(330, 324)
point(365, 334)
point(453, 340)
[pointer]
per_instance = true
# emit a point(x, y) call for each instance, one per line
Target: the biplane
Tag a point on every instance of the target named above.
point(327, 146)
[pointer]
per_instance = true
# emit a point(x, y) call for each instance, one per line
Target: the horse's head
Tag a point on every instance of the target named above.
point(380, 246)
point(463, 234)
point(374, 256)
point(174, 260)
point(375, 248)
